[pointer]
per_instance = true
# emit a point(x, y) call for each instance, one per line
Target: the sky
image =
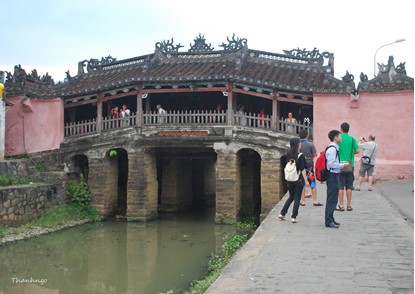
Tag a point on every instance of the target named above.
point(53, 36)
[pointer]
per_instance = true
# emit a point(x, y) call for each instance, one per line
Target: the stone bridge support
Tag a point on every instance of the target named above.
point(103, 183)
point(271, 182)
point(227, 184)
point(142, 185)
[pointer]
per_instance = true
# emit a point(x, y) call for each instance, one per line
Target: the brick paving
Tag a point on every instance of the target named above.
point(371, 252)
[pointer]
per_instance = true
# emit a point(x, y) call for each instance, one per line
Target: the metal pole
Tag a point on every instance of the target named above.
point(2, 116)
point(374, 60)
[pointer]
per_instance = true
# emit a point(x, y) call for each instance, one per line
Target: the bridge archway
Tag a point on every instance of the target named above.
point(117, 186)
point(250, 183)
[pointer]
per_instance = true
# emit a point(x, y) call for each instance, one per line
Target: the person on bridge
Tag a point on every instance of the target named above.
point(290, 121)
point(161, 114)
point(262, 116)
point(309, 151)
point(295, 188)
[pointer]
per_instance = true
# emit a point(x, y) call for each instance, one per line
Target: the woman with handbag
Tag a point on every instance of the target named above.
point(368, 160)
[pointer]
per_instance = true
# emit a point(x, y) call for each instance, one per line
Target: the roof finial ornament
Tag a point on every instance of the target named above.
point(348, 78)
point(200, 45)
point(168, 47)
point(234, 44)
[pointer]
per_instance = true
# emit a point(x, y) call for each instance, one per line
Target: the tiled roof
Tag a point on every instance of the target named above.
point(256, 68)
point(296, 71)
point(389, 78)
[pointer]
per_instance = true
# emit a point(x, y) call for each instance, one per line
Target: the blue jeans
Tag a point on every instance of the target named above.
point(332, 197)
point(295, 189)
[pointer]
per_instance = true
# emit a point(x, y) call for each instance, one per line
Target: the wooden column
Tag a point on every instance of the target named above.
point(230, 116)
point(139, 114)
point(148, 104)
point(275, 116)
point(99, 114)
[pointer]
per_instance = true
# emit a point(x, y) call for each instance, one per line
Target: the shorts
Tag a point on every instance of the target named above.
point(364, 168)
point(346, 180)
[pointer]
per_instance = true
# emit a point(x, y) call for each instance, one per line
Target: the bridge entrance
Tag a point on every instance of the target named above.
point(186, 178)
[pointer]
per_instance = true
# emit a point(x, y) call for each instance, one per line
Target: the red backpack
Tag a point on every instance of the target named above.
point(322, 174)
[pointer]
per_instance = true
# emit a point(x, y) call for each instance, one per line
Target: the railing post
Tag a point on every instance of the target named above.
point(99, 114)
point(230, 112)
point(274, 121)
point(139, 114)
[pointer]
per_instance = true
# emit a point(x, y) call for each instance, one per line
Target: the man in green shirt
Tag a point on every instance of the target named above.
point(347, 149)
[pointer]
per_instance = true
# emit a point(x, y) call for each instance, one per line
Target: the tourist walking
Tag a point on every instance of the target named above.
point(310, 152)
point(295, 188)
point(368, 160)
point(333, 166)
point(347, 149)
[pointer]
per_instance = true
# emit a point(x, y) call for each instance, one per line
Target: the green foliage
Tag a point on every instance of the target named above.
point(246, 224)
point(78, 193)
point(10, 181)
point(2, 231)
point(232, 243)
point(61, 215)
point(40, 167)
point(113, 153)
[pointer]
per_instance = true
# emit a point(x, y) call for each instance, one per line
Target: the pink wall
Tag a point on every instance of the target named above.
point(387, 115)
point(43, 125)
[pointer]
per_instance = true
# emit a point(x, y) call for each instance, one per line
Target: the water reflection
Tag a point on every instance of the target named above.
point(113, 257)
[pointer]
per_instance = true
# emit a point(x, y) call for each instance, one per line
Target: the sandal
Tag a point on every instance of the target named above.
point(302, 204)
point(339, 208)
point(369, 189)
point(349, 208)
point(357, 188)
point(317, 204)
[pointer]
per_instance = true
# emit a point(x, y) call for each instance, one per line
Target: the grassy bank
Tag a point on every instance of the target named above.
point(53, 217)
point(79, 208)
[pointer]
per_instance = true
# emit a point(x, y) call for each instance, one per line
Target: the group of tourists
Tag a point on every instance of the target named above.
point(339, 157)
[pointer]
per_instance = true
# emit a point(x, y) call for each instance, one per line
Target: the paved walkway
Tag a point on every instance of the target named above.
point(371, 252)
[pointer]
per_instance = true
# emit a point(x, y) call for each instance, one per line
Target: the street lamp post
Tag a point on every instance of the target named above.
point(374, 61)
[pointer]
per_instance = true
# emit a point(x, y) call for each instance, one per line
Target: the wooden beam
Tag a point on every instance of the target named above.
point(79, 103)
point(184, 90)
point(292, 100)
point(256, 94)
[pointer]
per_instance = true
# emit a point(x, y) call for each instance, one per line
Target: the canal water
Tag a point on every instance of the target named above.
point(114, 257)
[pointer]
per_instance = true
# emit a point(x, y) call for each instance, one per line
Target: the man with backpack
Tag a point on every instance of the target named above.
point(309, 151)
point(333, 167)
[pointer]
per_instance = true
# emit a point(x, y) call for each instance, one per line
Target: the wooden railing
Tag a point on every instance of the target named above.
point(189, 117)
point(186, 117)
point(81, 127)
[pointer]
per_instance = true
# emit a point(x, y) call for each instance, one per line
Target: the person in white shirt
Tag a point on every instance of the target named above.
point(369, 150)
point(290, 121)
point(162, 113)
